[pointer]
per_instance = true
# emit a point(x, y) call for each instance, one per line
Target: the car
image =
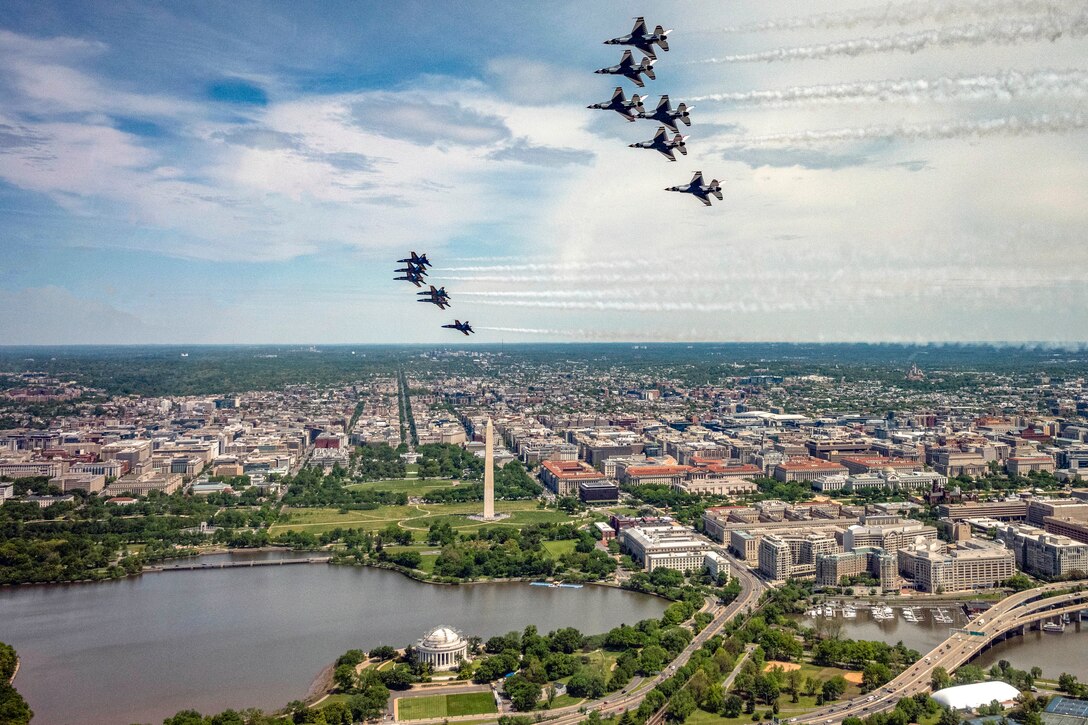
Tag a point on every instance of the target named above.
point(871, 698)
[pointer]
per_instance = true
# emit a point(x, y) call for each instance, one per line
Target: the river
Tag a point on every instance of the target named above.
point(1054, 653)
point(140, 649)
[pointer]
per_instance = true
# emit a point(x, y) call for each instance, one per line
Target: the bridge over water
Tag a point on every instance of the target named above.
point(1009, 617)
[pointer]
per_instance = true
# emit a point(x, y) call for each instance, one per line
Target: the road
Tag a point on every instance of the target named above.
point(751, 589)
point(1011, 613)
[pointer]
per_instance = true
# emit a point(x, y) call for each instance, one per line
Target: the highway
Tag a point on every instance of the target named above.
point(1010, 614)
point(751, 589)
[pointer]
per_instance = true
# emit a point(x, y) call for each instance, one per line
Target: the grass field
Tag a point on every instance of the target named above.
point(466, 703)
point(556, 549)
point(415, 517)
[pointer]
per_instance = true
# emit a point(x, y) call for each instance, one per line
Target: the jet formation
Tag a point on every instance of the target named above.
point(664, 114)
point(415, 271)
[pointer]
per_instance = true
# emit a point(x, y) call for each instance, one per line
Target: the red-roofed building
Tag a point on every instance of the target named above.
point(806, 469)
point(563, 477)
point(667, 475)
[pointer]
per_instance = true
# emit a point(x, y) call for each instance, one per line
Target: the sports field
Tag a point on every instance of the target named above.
point(466, 703)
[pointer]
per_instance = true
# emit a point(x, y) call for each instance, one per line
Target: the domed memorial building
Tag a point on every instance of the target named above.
point(442, 648)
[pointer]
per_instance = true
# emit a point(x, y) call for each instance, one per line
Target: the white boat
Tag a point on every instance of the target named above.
point(829, 610)
point(849, 612)
point(1054, 627)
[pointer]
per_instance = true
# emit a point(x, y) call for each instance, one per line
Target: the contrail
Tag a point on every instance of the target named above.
point(1002, 86)
point(905, 14)
point(1008, 126)
point(1008, 32)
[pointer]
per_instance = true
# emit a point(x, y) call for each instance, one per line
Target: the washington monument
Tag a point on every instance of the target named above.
point(489, 471)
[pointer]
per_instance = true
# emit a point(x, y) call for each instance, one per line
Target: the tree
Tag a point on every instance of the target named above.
point(940, 679)
point(793, 684)
point(344, 676)
point(587, 684)
point(652, 659)
point(732, 706)
point(949, 717)
point(185, 717)
point(875, 675)
point(383, 653)
point(524, 693)
point(832, 689)
point(1068, 683)
point(765, 688)
point(681, 705)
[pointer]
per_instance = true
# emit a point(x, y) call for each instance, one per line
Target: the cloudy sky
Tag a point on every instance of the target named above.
point(248, 172)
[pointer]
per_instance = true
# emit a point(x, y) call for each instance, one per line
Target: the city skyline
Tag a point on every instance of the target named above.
point(215, 175)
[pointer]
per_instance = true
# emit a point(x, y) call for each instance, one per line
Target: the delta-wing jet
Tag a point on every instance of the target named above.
point(661, 143)
point(665, 114)
point(629, 109)
point(462, 327)
point(700, 190)
point(627, 68)
point(643, 40)
point(435, 297)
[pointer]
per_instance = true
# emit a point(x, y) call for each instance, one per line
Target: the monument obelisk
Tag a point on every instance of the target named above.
point(489, 471)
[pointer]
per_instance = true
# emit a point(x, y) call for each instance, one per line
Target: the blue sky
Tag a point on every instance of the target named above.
point(248, 172)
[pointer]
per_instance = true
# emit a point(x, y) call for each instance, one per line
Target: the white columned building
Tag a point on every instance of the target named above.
point(442, 648)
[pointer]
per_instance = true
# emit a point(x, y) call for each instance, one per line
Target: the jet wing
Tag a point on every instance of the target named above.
point(634, 77)
point(626, 59)
point(617, 95)
point(640, 26)
point(696, 180)
point(706, 201)
point(659, 137)
point(667, 153)
point(664, 104)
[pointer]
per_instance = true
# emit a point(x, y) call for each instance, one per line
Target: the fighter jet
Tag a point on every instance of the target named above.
point(699, 190)
point(639, 38)
point(436, 297)
point(666, 115)
point(663, 145)
point(619, 103)
point(628, 69)
point(420, 260)
point(463, 327)
point(412, 274)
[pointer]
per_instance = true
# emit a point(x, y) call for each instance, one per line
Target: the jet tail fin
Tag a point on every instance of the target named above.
point(647, 67)
point(716, 189)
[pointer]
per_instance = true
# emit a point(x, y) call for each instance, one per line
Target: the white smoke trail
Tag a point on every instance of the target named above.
point(600, 277)
point(1001, 86)
point(1007, 126)
point(529, 330)
point(1007, 32)
point(551, 266)
point(642, 306)
point(905, 14)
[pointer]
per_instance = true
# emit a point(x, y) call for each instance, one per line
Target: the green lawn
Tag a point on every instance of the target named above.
point(466, 703)
point(556, 549)
point(415, 517)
